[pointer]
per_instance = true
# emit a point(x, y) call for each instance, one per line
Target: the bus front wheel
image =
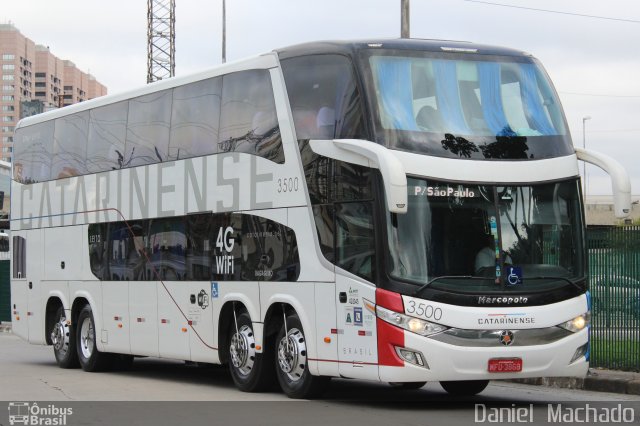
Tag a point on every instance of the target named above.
point(292, 367)
point(90, 358)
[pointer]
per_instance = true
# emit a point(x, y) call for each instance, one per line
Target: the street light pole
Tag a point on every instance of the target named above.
point(405, 19)
point(584, 146)
point(224, 31)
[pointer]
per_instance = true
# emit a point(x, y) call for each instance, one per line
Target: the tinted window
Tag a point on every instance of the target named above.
point(195, 119)
point(355, 244)
point(33, 152)
point(248, 121)
point(324, 98)
point(127, 244)
point(229, 251)
point(107, 132)
point(70, 146)
point(341, 195)
point(334, 181)
point(148, 129)
point(99, 250)
point(200, 247)
point(269, 250)
point(325, 226)
point(166, 248)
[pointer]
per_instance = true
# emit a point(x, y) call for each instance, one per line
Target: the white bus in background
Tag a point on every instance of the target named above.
point(400, 210)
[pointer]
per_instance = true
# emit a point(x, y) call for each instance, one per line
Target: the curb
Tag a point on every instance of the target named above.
point(593, 382)
point(5, 327)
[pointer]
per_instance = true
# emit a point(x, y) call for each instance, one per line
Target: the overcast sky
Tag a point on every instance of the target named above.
point(594, 63)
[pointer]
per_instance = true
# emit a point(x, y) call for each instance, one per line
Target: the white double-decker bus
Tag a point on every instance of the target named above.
point(400, 210)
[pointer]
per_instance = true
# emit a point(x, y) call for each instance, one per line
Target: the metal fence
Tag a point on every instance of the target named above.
point(614, 266)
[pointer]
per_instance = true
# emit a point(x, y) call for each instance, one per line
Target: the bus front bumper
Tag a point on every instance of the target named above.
point(444, 362)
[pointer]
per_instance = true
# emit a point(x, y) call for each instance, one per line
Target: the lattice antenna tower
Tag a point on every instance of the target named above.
point(161, 39)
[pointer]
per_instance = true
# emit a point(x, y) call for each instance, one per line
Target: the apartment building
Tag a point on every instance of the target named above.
point(35, 80)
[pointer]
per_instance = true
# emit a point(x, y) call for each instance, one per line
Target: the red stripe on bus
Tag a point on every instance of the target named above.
point(390, 300)
point(389, 337)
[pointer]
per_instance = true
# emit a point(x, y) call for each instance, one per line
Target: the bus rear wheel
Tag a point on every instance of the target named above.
point(465, 387)
point(90, 358)
point(63, 339)
point(251, 371)
point(292, 367)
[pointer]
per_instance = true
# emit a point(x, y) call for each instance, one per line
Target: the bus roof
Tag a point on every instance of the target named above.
point(349, 47)
point(268, 60)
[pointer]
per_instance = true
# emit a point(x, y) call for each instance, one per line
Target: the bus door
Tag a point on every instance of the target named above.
point(355, 258)
point(19, 285)
point(30, 282)
point(357, 338)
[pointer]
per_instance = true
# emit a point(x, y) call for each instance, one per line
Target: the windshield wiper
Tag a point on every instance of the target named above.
point(555, 278)
point(470, 277)
point(467, 277)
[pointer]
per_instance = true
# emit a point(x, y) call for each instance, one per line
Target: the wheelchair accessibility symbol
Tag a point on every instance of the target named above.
point(513, 275)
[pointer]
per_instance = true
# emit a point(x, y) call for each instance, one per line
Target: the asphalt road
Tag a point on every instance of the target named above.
point(158, 392)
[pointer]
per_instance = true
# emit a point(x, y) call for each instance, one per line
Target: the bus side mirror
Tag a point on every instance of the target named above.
point(620, 182)
point(370, 154)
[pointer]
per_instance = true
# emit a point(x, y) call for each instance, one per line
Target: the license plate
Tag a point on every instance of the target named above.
point(505, 365)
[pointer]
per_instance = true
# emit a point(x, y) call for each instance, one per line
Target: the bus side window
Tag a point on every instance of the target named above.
point(355, 243)
point(148, 125)
point(200, 245)
point(195, 119)
point(33, 152)
point(324, 97)
point(248, 121)
point(107, 132)
point(69, 146)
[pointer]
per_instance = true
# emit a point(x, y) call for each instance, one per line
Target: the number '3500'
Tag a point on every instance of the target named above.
point(424, 310)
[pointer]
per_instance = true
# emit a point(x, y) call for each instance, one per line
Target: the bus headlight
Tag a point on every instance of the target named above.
point(578, 323)
point(415, 325)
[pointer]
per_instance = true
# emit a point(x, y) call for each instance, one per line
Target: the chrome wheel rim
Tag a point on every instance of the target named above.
point(86, 337)
point(60, 337)
point(292, 355)
point(243, 350)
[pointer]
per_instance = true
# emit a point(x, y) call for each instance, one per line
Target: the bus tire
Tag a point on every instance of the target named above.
point(90, 358)
point(251, 371)
point(292, 367)
point(464, 387)
point(63, 338)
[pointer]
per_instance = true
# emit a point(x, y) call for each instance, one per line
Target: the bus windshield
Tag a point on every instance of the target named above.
point(486, 237)
point(465, 105)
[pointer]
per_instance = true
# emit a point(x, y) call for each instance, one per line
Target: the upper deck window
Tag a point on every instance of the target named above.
point(466, 106)
point(324, 97)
